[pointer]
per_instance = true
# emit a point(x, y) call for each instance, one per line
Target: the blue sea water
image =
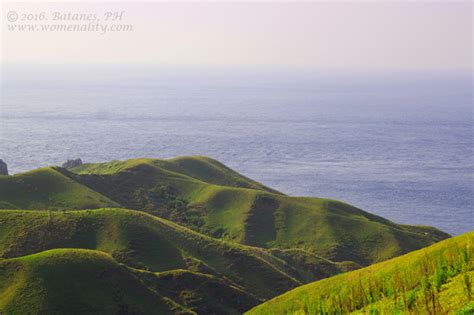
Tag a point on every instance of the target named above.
point(398, 145)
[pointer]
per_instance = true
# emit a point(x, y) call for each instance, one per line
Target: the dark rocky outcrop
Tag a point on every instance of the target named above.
point(3, 168)
point(72, 163)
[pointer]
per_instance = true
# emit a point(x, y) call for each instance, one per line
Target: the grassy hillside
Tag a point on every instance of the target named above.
point(179, 190)
point(149, 243)
point(202, 293)
point(199, 238)
point(208, 197)
point(434, 280)
point(47, 188)
point(72, 281)
point(197, 167)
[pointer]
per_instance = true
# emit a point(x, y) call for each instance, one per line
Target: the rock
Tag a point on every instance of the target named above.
point(72, 163)
point(3, 168)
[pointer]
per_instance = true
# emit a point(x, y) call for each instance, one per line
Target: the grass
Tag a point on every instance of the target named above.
point(202, 238)
point(79, 281)
point(208, 197)
point(202, 293)
point(434, 280)
point(73, 281)
point(149, 243)
point(197, 167)
point(46, 188)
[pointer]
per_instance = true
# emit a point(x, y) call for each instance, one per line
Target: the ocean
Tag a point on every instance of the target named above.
point(399, 145)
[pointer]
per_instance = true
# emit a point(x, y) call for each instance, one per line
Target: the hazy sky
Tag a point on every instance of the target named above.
point(356, 35)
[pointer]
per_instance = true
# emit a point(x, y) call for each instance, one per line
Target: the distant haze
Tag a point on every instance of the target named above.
point(393, 36)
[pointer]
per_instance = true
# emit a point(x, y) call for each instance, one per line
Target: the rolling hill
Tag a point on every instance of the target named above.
point(195, 237)
point(145, 242)
point(72, 281)
point(434, 280)
point(206, 196)
point(149, 243)
point(46, 188)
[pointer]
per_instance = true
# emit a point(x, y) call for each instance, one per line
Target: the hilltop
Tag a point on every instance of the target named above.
point(71, 281)
point(41, 283)
point(434, 280)
point(185, 235)
point(46, 188)
point(212, 199)
point(144, 242)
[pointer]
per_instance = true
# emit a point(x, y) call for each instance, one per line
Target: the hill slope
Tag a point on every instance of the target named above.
point(197, 167)
point(47, 188)
point(71, 281)
point(208, 197)
point(434, 280)
point(149, 243)
point(256, 217)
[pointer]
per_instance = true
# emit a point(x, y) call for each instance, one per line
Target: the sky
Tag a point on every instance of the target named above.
point(354, 35)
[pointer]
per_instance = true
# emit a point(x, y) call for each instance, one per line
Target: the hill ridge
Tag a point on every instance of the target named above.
point(144, 242)
point(189, 229)
point(327, 228)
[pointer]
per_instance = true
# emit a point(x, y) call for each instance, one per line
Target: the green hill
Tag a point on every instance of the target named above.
point(149, 243)
point(199, 238)
point(208, 197)
point(47, 188)
point(78, 281)
point(197, 167)
point(72, 281)
point(434, 280)
point(179, 190)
